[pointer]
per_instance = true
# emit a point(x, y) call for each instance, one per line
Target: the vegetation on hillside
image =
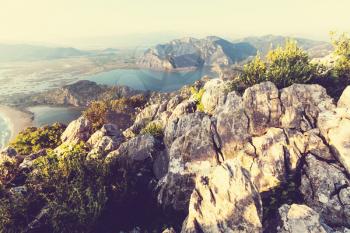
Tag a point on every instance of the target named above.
point(34, 139)
point(65, 188)
point(290, 64)
point(98, 112)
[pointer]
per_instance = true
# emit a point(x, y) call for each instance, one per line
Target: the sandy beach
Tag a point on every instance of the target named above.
point(19, 120)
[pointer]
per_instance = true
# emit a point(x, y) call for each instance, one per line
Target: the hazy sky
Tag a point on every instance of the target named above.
point(62, 21)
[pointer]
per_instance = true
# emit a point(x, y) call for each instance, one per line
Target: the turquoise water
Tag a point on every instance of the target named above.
point(5, 132)
point(44, 115)
point(142, 79)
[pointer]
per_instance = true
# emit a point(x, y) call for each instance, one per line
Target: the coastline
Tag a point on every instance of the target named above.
point(17, 119)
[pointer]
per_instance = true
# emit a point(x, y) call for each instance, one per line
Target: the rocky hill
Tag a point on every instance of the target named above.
point(264, 44)
point(188, 53)
point(79, 94)
point(195, 53)
point(268, 160)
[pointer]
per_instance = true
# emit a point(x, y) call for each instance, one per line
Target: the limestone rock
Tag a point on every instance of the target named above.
point(273, 159)
point(335, 128)
point(262, 106)
point(173, 102)
point(185, 107)
point(191, 152)
point(344, 101)
point(142, 119)
point(214, 95)
point(224, 200)
point(106, 130)
point(326, 190)
point(299, 219)
point(301, 105)
point(232, 126)
point(78, 130)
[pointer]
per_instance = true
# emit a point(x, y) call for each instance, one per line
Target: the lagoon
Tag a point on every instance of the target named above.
point(44, 115)
point(150, 80)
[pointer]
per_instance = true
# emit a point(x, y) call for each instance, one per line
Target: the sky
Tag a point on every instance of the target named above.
point(75, 21)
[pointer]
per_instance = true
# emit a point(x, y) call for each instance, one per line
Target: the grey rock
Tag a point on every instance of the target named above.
point(326, 190)
point(191, 152)
point(224, 200)
point(262, 106)
point(298, 219)
point(78, 130)
point(301, 105)
point(344, 100)
point(334, 127)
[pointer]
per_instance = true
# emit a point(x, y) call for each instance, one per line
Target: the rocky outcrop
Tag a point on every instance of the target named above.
point(80, 94)
point(194, 53)
point(334, 127)
point(105, 140)
point(224, 200)
point(214, 166)
point(299, 218)
point(191, 152)
point(344, 101)
point(301, 105)
point(215, 91)
point(326, 190)
point(262, 106)
point(78, 130)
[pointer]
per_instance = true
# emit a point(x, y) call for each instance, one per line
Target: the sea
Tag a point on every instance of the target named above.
point(5, 131)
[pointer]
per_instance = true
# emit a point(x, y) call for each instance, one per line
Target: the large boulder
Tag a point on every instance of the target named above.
point(344, 100)
point(224, 200)
point(299, 219)
point(232, 126)
point(301, 105)
point(262, 106)
point(106, 130)
point(191, 152)
point(326, 189)
point(78, 130)
point(215, 91)
point(105, 140)
point(334, 127)
point(273, 159)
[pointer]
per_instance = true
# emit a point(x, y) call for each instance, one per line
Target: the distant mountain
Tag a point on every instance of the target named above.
point(263, 44)
point(24, 52)
point(193, 53)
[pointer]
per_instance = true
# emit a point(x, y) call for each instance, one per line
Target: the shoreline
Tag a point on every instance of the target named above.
point(17, 119)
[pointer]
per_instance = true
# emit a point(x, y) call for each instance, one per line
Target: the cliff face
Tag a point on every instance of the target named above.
point(194, 53)
point(268, 160)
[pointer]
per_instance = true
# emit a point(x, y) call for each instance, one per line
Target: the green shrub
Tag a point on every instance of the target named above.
point(33, 139)
point(289, 65)
point(96, 113)
point(283, 66)
point(254, 72)
point(69, 188)
point(8, 169)
point(197, 95)
point(153, 128)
